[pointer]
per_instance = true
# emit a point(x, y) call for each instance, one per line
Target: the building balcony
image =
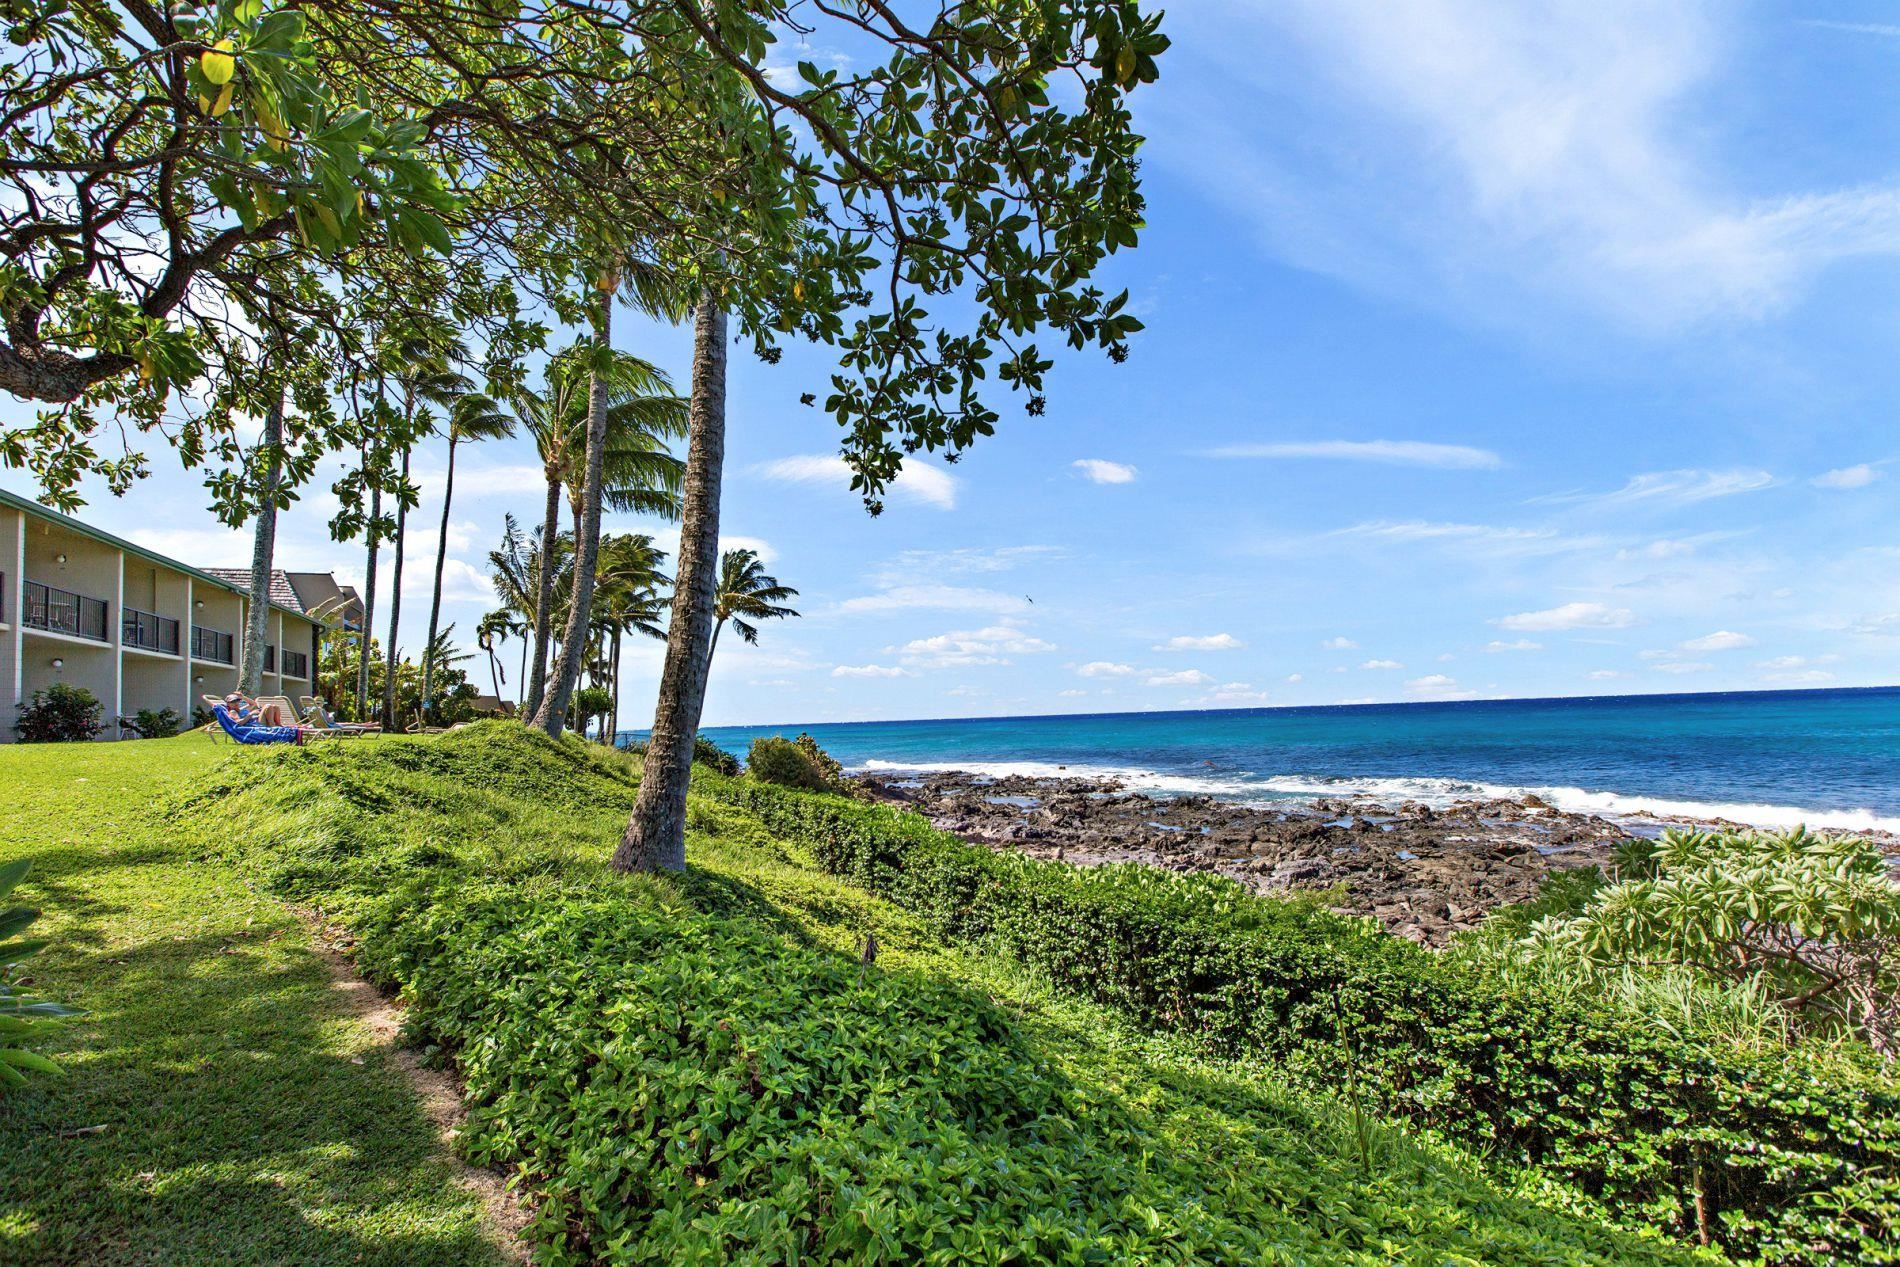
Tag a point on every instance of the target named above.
point(212, 646)
point(63, 612)
point(146, 632)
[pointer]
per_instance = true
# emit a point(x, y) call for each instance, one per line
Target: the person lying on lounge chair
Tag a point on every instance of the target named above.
point(251, 732)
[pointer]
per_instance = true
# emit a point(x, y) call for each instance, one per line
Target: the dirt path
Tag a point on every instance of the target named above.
point(505, 1216)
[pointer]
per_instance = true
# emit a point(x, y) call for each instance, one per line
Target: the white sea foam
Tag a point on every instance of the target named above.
point(1436, 792)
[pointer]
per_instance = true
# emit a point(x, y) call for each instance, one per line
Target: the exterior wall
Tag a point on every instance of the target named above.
point(217, 608)
point(91, 570)
point(152, 679)
point(12, 543)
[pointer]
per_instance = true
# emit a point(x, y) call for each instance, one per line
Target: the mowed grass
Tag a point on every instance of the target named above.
point(221, 1103)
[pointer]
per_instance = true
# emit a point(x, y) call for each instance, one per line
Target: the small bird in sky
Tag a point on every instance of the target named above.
point(1029, 600)
point(806, 398)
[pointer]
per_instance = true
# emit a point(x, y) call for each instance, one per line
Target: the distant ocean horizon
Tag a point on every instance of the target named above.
point(1827, 758)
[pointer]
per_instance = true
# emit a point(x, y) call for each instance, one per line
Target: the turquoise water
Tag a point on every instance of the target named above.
point(1828, 758)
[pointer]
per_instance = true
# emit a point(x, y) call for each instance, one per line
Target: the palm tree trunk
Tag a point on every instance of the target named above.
point(441, 561)
point(614, 737)
point(395, 608)
point(655, 839)
point(587, 548)
point(544, 597)
point(717, 626)
point(369, 610)
point(263, 546)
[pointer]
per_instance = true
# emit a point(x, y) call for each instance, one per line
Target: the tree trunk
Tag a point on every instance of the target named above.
point(655, 839)
point(395, 608)
point(587, 547)
point(614, 737)
point(544, 597)
point(369, 610)
point(441, 561)
point(263, 548)
point(717, 626)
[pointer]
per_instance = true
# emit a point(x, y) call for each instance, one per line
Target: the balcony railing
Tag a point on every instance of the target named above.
point(297, 664)
point(61, 611)
point(148, 632)
point(209, 644)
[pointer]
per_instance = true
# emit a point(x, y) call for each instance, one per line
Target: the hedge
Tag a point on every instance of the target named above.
point(1792, 1152)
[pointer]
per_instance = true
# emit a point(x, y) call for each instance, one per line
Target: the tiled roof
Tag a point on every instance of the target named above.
point(280, 591)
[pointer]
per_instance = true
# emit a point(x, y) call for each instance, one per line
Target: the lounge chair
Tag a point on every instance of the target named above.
point(277, 710)
point(316, 714)
point(251, 733)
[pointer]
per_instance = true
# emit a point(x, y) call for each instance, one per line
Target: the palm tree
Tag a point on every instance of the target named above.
point(745, 593)
point(421, 368)
point(473, 416)
point(638, 472)
point(630, 597)
point(497, 626)
point(655, 839)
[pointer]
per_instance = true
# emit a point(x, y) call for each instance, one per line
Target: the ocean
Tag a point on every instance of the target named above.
point(1826, 758)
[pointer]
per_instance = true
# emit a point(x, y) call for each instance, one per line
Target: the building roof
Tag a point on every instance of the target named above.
point(282, 594)
point(67, 522)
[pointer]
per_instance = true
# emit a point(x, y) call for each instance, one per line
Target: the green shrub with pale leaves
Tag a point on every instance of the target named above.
point(1810, 921)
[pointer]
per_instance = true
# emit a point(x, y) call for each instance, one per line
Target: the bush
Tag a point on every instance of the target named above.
point(1787, 1156)
point(162, 724)
point(829, 770)
point(23, 1018)
point(1813, 920)
point(59, 714)
point(776, 759)
point(710, 755)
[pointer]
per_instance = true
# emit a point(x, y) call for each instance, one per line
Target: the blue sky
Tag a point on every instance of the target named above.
point(1492, 350)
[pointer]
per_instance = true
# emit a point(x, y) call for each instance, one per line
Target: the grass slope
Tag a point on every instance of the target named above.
point(701, 1070)
point(246, 1116)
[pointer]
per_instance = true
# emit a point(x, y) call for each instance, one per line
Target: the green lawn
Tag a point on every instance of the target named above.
point(245, 1115)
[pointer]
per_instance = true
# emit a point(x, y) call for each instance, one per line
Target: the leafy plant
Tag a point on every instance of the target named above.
point(162, 724)
point(776, 759)
point(59, 714)
point(713, 757)
point(828, 769)
point(22, 1017)
point(1812, 919)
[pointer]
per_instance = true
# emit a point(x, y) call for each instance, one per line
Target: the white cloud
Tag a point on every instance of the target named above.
point(1522, 644)
point(1295, 677)
point(1101, 471)
point(967, 559)
point(1185, 677)
point(1381, 664)
point(1233, 693)
point(1437, 685)
point(1483, 538)
point(1339, 644)
point(966, 647)
point(1675, 487)
point(1105, 668)
point(935, 597)
point(1682, 666)
point(1568, 616)
point(1606, 675)
point(1386, 452)
point(1209, 642)
point(870, 670)
point(1847, 477)
point(1550, 152)
point(917, 482)
point(1071, 694)
point(473, 480)
point(1720, 640)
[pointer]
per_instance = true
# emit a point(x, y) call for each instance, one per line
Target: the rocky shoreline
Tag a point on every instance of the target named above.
point(1424, 873)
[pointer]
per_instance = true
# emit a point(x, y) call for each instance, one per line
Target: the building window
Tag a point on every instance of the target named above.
point(209, 644)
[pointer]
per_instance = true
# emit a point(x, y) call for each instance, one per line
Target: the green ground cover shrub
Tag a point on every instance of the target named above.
point(713, 757)
point(702, 1070)
point(1784, 1156)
